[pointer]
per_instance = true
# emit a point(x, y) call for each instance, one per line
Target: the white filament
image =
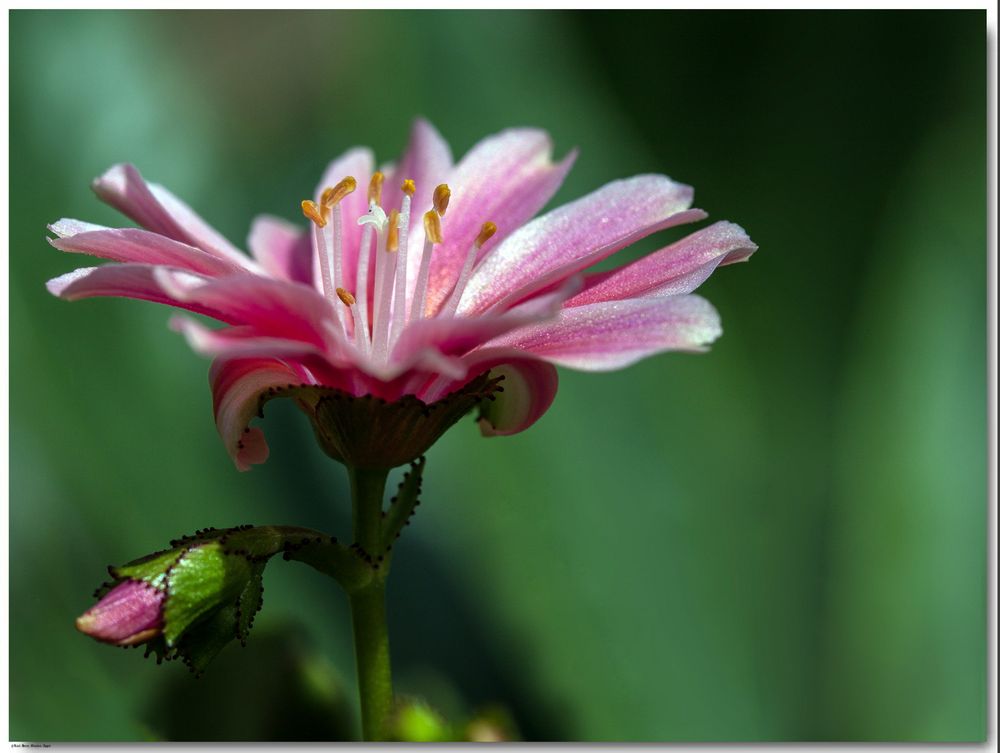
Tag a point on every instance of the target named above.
point(361, 322)
point(451, 306)
point(399, 320)
point(385, 268)
point(420, 293)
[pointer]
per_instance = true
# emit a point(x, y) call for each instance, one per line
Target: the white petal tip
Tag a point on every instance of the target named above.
point(58, 285)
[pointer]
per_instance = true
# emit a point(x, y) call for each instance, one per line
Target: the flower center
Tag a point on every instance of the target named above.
point(375, 332)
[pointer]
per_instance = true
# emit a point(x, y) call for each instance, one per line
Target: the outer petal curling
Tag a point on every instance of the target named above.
point(135, 245)
point(529, 387)
point(139, 281)
point(237, 386)
point(350, 428)
point(576, 236)
point(613, 334)
point(158, 210)
point(675, 270)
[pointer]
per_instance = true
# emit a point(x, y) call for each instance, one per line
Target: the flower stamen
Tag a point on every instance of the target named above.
point(487, 231)
point(385, 269)
point(442, 195)
point(330, 204)
point(361, 323)
point(392, 242)
point(399, 319)
point(375, 189)
point(432, 236)
point(315, 213)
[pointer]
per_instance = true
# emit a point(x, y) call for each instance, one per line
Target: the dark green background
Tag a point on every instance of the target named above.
point(783, 539)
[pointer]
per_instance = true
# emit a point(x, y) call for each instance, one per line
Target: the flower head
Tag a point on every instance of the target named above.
point(417, 291)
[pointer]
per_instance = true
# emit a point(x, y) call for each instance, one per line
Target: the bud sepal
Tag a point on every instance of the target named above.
point(188, 602)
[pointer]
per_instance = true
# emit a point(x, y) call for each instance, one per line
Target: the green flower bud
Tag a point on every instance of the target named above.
point(210, 591)
point(190, 601)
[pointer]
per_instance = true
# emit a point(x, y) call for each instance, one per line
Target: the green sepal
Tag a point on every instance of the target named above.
point(152, 568)
point(203, 642)
point(250, 602)
point(353, 430)
point(201, 580)
point(402, 505)
point(199, 644)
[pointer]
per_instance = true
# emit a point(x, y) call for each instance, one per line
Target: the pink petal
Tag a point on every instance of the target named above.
point(239, 342)
point(140, 281)
point(426, 161)
point(458, 335)
point(505, 179)
point(282, 249)
point(675, 270)
point(275, 308)
point(614, 334)
point(251, 449)
point(237, 386)
point(576, 236)
point(529, 387)
point(128, 614)
point(359, 163)
point(158, 210)
point(134, 245)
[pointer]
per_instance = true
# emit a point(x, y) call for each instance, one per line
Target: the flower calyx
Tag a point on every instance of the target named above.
point(370, 432)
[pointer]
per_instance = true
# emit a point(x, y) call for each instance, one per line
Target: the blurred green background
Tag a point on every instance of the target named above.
point(781, 540)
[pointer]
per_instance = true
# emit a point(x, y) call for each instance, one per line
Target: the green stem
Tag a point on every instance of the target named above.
point(371, 648)
point(371, 635)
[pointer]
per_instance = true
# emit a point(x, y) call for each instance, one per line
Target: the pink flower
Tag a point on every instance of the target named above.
point(410, 291)
point(127, 615)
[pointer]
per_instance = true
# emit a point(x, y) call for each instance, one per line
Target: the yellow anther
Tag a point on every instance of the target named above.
point(375, 188)
point(346, 297)
point(392, 240)
point(432, 227)
point(442, 195)
point(333, 196)
point(313, 212)
point(409, 187)
point(485, 234)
